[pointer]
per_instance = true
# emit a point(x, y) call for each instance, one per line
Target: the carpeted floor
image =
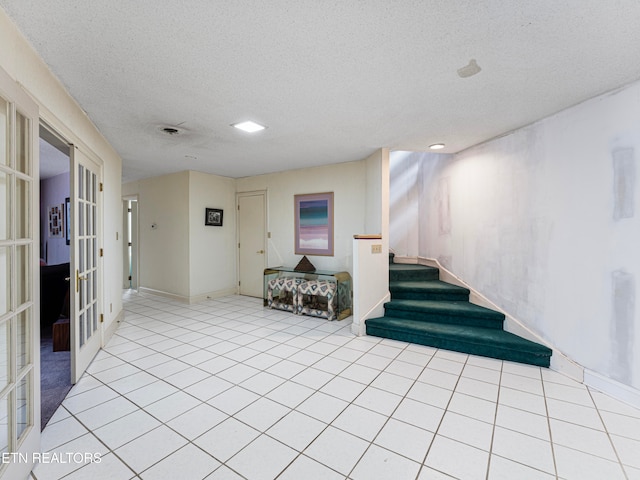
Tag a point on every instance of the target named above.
point(55, 379)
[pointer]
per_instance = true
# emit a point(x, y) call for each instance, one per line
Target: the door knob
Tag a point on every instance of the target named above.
point(260, 251)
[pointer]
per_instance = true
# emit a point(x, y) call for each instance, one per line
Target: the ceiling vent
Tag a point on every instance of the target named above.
point(170, 130)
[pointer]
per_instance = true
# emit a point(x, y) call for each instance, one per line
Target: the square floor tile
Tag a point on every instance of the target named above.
point(378, 400)
point(588, 440)
point(188, 462)
point(574, 464)
point(126, 428)
point(337, 450)
point(523, 422)
point(61, 432)
point(305, 468)
point(405, 439)
point(438, 378)
point(226, 439)
point(628, 450)
point(262, 414)
point(456, 459)
point(382, 464)
point(151, 393)
point(477, 388)
point(233, 400)
point(172, 406)
point(343, 388)
point(262, 383)
point(144, 451)
point(196, 421)
point(296, 430)
point(419, 414)
point(322, 407)
point(208, 388)
point(109, 468)
point(313, 378)
point(106, 412)
point(427, 393)
point(262, 459)
point(89, 399)
point(290, 393)
point(473, 407)
point(524, 449)
point(466, 430)
point(360, 422)
point(503, 469)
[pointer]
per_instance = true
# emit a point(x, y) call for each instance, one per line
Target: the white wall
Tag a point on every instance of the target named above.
point(212, 250)
point(346, 180)
point(61, 112)
point(182, 257)
point(164, 250)
point(545, 223)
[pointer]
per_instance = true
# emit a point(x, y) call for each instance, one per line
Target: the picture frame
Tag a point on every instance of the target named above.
point(67, 220)
point(314, 224)
point(213, 217)
point(56, 221)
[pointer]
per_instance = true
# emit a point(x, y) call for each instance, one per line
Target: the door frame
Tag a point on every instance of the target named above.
point(25, 447)
point(134, 231)
point(266, 234)
point(79, 363)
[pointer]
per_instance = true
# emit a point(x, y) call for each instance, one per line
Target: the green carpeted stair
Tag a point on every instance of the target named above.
point(426, 311)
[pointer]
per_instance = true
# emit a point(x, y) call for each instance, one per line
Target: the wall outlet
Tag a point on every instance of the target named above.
point(376, 248)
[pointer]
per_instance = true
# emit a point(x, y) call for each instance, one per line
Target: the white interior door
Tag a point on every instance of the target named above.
point(252, 243)
point(86, 278)
point(19, 281)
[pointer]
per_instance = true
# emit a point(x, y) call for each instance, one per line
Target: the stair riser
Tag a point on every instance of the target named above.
point(412, 276)
point(410, 295)
point(440, 318)
point(492, 351)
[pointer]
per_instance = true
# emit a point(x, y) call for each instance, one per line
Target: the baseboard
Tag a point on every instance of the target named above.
point(160, 293)
point(189, 300)
point(212, 295)
point(108, 332)
point(359, 328)
point(612, 388)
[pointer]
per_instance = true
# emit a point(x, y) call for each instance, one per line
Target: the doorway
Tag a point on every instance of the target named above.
point(131, 265)
point(252, 256)
point(55, 258)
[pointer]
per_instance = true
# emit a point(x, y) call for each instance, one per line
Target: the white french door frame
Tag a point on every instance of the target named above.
point(19, 280)
point(86, 272)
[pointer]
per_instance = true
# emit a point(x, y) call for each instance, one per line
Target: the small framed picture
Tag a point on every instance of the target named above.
point(213, 217)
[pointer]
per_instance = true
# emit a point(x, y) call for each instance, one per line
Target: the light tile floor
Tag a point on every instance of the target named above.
point(228, 389)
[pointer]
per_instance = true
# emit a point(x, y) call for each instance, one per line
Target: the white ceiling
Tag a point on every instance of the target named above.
point(332, 80)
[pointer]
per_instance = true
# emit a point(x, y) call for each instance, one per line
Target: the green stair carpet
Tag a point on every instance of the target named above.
point(426, 311)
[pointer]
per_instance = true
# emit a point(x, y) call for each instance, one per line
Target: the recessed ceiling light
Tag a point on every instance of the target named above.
point(437, 146)
point(249, 126)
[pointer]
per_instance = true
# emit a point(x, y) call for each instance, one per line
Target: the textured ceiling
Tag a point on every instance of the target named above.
point(332, 80)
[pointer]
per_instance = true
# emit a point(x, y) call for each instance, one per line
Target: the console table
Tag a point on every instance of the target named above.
point(341, 279)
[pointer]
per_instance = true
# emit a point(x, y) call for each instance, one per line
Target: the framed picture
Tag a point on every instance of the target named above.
point(56, 221)
point(314, 224)
point(67, 220)
point(213, 217)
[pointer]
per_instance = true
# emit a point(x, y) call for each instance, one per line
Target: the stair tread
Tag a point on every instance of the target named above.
point(426, 286)
point(411, 267)
point(444, 307)
point(476, 335)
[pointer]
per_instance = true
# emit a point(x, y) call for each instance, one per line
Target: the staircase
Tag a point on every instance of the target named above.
point(426, 311)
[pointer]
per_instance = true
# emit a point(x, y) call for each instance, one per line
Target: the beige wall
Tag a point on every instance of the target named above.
point(182, 257)
point(348, 181)
point(212, 250)
point(62, 113)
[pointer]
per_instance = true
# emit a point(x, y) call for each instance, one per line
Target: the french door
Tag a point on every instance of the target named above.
point(86, 275)
point(19, 281)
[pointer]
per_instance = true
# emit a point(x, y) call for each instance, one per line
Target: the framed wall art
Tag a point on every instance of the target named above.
point(213, 217)
point(314, 224)
point(56, 221)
